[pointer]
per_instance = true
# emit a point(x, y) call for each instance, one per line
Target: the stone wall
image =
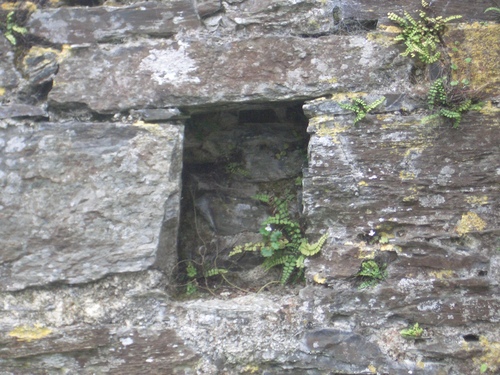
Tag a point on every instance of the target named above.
point(107, 108)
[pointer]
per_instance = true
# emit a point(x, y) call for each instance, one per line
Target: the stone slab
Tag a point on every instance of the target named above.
point(86, 199)
point(89, 350)
point(21, 110)
point(104, 24)
point(187, 73)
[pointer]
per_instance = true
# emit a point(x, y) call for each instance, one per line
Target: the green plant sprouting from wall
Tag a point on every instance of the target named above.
point(423, 36)
point(193, 274)
point(413, 332)
point(283, 242)
point(371, 273)
point(439, 98)
point(361, 108)
point(11, 28)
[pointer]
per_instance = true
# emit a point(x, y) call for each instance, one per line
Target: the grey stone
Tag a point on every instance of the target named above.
point(86, 200)
point(104, 24)
point(21, 110)
point(302, 18)
point(160, 114)
point(9, 77)
point(344, 346)
point(182, 73)
point(40, 66)
point(421, 198)
point(364, 9)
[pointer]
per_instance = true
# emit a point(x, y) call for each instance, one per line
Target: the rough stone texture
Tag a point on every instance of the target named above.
point(85, 336)
point(365, 9)
point(85, 199)
point(9, 77)
point(107, 24)
point(421, 198)
point(21, 110)
point(182, 73)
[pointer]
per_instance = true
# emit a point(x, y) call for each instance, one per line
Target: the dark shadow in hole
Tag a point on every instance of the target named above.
point(471, 337)
point(84, 3)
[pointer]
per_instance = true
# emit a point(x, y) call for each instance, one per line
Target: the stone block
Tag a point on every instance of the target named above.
point(82, 200)
point(104, 24)
point(168, 73)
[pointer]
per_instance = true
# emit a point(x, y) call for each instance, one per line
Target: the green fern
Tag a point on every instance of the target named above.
point(309, 250)
point(11, 28)
point(437, 94)
point(249, 246)
point(283, 242)
point(371, 273)
point(421, 37)
point(191, 270)
point(361, 108)
point(492, 8)
point(215, 271)
point(274, 261)
point(288, 268)
point(438, 97)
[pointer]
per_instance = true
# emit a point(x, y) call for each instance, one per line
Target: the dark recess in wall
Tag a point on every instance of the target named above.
point(229, 156)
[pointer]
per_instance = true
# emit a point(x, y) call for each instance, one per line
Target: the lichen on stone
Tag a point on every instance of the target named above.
point(490, 356)
point(470, 222)
point(477, 200)
point(30, 333)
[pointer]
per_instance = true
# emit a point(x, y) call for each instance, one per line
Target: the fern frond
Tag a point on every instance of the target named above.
point(300, 261)
point(375, 104)
point(215, 271)
point(288, 268)
point(312, 249)
point(449, 113)
point(262, 197)
point(274, 261)
point(249, 246)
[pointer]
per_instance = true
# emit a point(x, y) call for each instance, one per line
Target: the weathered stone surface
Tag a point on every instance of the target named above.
point(365, 9)
point(303, 17)
point(40, 65)
point(83, 335)
point(26, 341)
point(9, 77)
point(435, 206)
point(167, 73)
point(419, 198)
point(21, 110)
point(86, 200)
point(105, 24)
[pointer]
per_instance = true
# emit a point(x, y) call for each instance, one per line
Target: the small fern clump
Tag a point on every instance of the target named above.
point(193, 275)
point(421, 37)
point(447, 108)
point(371, 273)
point(437, 94)
point(283, 243)
point(11, 29)
point(413, 332)
point(361, 108)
